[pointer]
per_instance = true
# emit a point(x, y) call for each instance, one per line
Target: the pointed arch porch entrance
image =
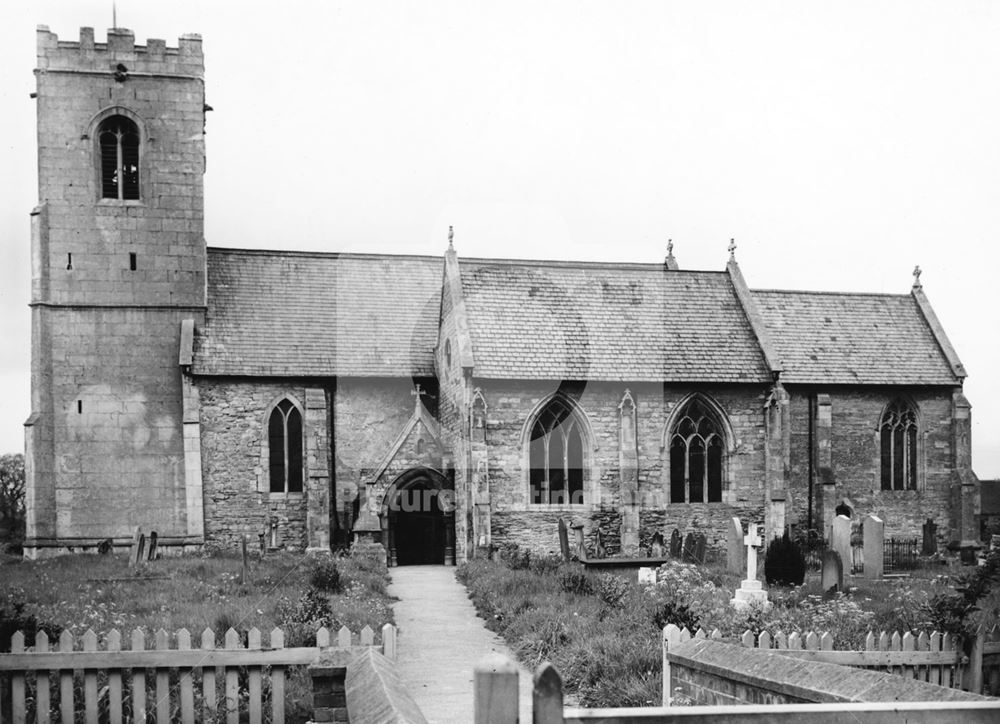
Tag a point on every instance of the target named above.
point(418, 518)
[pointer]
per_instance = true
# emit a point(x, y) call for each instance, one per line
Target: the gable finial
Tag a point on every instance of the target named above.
point(451, 237)
point(732, 250)
point(916, 277)
point(670, 263)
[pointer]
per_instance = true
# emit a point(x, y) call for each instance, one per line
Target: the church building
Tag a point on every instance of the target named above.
point(446, 404)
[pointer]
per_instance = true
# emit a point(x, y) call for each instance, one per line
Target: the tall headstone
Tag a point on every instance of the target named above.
point(832, 576)
point(599, 550)
point(874, 546)
point(929, 547)
point(656, 545)
point(152, 553)
point(750, 589)
point(564, 540)
point(735, 552)
point(700, 542)
point(688, 551)
point(840, 540)
point(581, 546)
point(138, 551)
point(675, 544)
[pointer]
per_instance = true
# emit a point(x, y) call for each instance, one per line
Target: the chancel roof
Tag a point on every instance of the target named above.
point(838, 338)
point(302, 314)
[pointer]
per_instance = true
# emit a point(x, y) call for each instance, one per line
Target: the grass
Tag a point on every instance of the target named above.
point(603, 633)
point(196, 592)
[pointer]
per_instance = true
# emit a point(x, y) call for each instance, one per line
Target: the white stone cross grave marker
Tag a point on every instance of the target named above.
point(750, 589)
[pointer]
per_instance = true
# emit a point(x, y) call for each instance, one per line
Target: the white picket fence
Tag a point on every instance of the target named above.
point(123, 685)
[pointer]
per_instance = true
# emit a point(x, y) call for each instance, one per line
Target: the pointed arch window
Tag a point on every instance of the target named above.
point(118, 139)
point(284, 437)
point(898, 434)
point(697, 453)
point(556, 455)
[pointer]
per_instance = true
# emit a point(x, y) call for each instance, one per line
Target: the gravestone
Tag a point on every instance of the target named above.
point(675, 544)
point(563, 540)
point(929, 547)
point(734, 546)
point(138, 551)
point(874, 546)
point(656, 546)
point(581, 548)
point(151, 556)
point(599, 550)
point(699, 547)
point(751, 589)
point(687, 554)
point(832, 576)
point(647, 576)
point(840, 540)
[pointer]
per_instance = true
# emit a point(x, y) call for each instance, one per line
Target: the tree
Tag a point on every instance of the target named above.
point(12, 493)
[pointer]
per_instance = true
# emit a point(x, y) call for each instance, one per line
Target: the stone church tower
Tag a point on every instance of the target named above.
point(118, 265)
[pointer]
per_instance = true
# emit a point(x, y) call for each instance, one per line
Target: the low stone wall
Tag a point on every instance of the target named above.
point(360, 685)
point(712, 672)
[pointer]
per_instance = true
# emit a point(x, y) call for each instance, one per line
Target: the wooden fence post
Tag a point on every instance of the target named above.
point(389, 641)
point(976, 664)
point(671, 637)
point(547, 698)
point(495, 693)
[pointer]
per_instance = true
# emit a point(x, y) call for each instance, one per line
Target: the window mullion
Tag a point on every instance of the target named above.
point(687, 471)
point(120, 155)
point(284, 416)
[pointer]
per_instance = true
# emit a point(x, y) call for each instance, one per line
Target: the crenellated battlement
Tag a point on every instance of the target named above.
point(85, 55)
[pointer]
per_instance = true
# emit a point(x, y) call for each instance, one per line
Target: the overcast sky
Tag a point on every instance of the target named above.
point(839, 143)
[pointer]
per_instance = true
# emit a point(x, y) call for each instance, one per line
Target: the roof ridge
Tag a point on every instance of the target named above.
point(584, 263)
point(320, 254)
point(815, 292)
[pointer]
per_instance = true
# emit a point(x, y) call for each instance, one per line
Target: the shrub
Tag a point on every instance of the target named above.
point(611, 589)
point(677, 613)
point(324, 574)
point(784, 563)
point(514, 557)
point(574, 579)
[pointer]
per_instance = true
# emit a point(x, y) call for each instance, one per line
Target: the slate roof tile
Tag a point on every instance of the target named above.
point(313, 314)
point(554, 320)
point(840, 338)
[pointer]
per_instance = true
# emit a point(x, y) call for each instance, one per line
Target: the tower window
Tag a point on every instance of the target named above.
point(696, 456)
point(284, 436)
point(119, 144)
point(556, 455)
point(898, 434)
point(132, 261)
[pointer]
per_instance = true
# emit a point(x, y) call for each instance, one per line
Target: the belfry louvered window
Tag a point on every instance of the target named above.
point(284, 436)
point(119, 146)
point(696, 455)
point(898, 433)
point(556, 466)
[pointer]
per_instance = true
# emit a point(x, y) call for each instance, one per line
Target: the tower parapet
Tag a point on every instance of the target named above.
point(155, 57)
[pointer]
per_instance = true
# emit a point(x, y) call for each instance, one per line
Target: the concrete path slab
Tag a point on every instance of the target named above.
point(440, 640)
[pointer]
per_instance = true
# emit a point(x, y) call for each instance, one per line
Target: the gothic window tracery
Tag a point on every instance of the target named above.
point(284, 434)
point(556, 455)
point(898, 437)
point(697, 452)
point(118, 139)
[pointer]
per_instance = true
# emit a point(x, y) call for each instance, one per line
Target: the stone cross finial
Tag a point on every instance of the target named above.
point(418, 392)
point(916, 277)
point(732, 250)
point(451, 237)
point(670, 247)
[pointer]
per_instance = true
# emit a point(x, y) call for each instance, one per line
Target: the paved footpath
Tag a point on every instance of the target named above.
point(440, 641)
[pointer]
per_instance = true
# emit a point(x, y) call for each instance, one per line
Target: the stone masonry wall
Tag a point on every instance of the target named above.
point(856, 458)
point(515, 520)
point(234, 466)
